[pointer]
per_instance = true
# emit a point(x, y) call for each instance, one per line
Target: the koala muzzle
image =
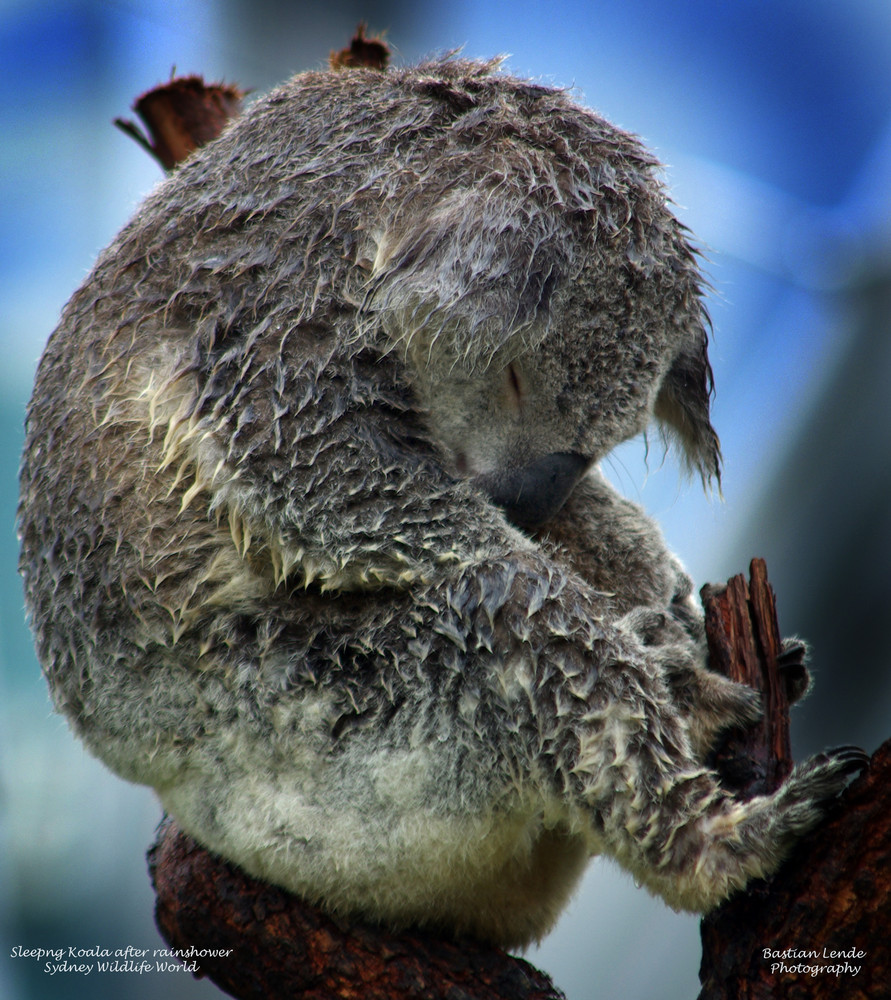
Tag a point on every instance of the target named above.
point(532, 494)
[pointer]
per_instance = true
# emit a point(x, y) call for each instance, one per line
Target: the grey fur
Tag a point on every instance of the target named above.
point(264, 570)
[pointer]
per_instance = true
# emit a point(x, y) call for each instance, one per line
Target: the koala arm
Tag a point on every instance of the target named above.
point(347, 495)
point(613, 545)
point(610, 542)
point(332, 481)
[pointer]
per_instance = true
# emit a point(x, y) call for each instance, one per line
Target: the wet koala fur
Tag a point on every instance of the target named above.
point(313, 536)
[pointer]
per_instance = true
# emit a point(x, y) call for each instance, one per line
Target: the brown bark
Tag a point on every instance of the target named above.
point(833, 896)
point(182, 115)
point(284, 949)
point(372, 53)
point(186, 112)
point(744, 644)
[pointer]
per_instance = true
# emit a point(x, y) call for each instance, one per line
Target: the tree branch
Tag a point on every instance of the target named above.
point(185, 113)
point(180, 116)
point(283, 948)
point(744, 644)
point(372, 53)
point(834, 894)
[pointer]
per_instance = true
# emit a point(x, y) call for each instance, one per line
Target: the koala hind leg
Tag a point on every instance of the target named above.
point(721, 843)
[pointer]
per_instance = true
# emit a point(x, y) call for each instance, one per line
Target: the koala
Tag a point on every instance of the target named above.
point(313, 534)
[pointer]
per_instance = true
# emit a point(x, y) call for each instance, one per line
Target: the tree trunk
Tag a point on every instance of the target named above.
point(820, 928)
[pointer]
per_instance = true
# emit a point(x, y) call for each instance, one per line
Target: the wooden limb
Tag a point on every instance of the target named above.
point(372, 53)
point(284, 949)
point(182, 115)
point(826, 913)
point(185, 113)
point(744, 644)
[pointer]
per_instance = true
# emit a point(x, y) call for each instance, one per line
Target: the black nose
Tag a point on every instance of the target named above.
point(532, 494)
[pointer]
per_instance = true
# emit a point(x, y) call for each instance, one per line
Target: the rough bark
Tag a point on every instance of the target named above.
point(744, 644)
point(182, 115)
point(372, 53)
point(284, 949)
point(828, 910)
point(185, 113)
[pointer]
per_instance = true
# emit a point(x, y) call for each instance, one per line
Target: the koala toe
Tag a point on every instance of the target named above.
point(792, 664)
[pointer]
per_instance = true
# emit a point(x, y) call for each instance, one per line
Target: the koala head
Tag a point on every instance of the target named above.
point(547, 313)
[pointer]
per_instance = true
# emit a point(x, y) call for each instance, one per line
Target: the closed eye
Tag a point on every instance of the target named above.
point(514, 387)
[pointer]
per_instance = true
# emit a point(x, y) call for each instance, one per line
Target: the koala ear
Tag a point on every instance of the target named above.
point(682, 407)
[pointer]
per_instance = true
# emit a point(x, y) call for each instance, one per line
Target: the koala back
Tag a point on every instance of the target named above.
point(257, 578)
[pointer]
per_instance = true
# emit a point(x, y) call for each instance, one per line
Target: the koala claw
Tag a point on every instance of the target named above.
point(818, 780)
point(850, 760)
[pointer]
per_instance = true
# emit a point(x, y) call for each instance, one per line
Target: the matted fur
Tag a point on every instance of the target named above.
point(263, 564)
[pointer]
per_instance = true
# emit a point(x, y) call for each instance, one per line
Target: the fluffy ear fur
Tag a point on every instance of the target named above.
point(682, 407)
point(475, 267)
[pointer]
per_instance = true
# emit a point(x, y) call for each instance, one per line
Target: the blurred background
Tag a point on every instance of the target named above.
point(774, 121)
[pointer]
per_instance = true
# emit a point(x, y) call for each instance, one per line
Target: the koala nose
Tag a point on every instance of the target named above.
point(531, 495)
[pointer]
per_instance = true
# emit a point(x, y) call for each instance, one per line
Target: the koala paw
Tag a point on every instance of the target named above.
point(711, 704)
point(812, 785)
point(652, 627)
point(792, 665)
point(708, 702)
point(754, 836)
